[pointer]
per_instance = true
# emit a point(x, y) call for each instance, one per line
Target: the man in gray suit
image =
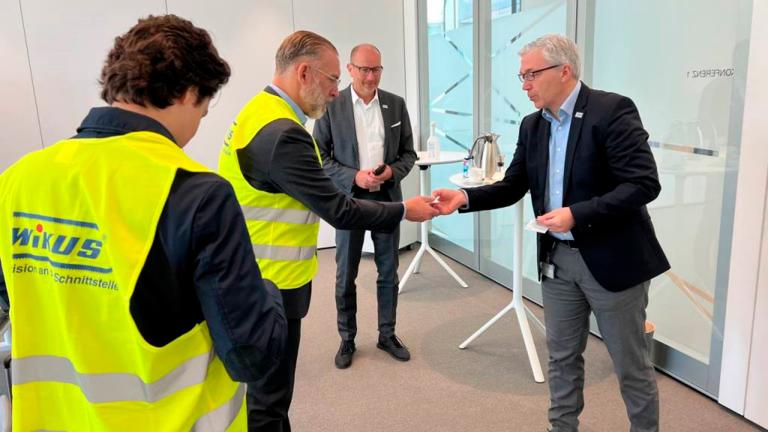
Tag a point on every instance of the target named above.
point(366, 143)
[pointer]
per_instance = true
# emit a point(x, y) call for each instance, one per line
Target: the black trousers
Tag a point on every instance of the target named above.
point(269, 398)
point(349, 245)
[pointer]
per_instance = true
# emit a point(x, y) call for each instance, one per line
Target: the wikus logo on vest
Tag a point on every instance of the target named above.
point(63, 243)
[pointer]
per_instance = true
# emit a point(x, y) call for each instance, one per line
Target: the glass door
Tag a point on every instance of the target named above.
point(684, 65)
point(471, 73)
point(512, 25)
point(450, 76)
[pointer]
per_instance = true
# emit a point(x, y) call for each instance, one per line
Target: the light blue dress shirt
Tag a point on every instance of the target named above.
point(299, 113)
point(558, 144)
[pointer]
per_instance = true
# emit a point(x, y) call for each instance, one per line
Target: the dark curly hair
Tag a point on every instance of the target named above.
point(158, 60)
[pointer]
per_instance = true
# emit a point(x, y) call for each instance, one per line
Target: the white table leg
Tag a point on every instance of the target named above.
point(424, 231)
point(412, 266)
point(445, 266)
point(517, 302)
point(424, 228)
point(530, 347)
point(487, 325)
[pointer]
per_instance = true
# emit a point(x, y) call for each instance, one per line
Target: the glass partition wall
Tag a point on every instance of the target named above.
point(687, 81)
point(510, 30)
point(450, 41)
point(684, 64)
point(471, 72)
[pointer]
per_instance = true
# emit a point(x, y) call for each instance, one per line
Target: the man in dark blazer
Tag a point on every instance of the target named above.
point(586, 160)
point(366, 128)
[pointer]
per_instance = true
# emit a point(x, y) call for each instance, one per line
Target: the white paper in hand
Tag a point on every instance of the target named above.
point(535, 226)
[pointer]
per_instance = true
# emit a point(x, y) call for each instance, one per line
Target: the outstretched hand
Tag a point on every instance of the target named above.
point(418, 209)
point(447, 201)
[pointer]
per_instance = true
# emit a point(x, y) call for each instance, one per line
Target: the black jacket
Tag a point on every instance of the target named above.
point(200, 266)
point(281, 158)
point(610, 176)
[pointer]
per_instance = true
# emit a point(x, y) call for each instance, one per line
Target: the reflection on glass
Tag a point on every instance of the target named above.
point(688, 83)
point(511, 29)
point(449, 28)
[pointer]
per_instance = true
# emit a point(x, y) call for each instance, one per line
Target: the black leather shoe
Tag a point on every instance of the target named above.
point(344, 356)
point(394, 346)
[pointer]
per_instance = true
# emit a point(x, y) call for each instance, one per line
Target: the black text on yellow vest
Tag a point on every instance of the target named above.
point(77, 221)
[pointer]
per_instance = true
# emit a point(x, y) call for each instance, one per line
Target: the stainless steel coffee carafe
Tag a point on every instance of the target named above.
point(486, 154)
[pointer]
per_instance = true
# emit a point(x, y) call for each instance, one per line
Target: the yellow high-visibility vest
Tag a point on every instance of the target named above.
point(77, 221)
point(283, 230)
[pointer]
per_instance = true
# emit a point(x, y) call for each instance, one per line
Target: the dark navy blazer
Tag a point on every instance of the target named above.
point(610, 176)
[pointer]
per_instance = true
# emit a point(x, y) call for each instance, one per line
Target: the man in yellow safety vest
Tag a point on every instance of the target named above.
point(136, 301)
point(277, 173)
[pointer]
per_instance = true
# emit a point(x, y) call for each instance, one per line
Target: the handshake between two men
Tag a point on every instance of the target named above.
point(446, 201)
point(442, 202)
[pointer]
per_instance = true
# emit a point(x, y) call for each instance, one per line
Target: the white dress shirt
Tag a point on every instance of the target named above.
point(369, 128)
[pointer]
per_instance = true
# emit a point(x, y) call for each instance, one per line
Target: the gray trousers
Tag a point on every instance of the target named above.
point(568, 300)
point(349, 246)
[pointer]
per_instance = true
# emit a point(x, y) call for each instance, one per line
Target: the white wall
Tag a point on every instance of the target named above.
point(18, 118)
point(68, 42)
point(57, 78)
point(744, 377)
point(756, 399)
point(246, 33)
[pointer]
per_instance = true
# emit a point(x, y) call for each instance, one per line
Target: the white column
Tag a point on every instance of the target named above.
point(742, 378)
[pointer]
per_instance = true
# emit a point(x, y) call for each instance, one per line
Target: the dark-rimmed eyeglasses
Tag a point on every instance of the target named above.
point(530, 76)
point(365, 70)
point(335, 80)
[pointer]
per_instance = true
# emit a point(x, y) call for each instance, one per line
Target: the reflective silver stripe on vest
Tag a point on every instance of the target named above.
point(110, 387)
point(284, 253)
point(268, 214)
point(222, 417)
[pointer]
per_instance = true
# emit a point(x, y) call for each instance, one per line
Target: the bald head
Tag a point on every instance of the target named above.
point(365, 69)
point(363, 49)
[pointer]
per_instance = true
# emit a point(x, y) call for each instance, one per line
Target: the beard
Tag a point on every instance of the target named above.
point(315, 99)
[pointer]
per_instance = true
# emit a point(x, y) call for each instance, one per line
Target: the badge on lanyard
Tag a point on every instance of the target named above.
point(548, 270)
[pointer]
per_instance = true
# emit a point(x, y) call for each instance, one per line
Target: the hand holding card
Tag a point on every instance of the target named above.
point(535, 226)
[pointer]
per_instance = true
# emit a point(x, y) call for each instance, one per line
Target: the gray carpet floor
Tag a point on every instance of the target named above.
point(486, 387)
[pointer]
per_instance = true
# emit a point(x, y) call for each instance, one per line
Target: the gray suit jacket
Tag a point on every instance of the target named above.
point(337, 139)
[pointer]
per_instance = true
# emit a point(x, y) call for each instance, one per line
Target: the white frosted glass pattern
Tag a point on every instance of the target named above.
point(509, 104)
point(686, 73)
point(450, 102)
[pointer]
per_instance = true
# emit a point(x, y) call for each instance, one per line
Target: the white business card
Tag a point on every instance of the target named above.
point(535, 226)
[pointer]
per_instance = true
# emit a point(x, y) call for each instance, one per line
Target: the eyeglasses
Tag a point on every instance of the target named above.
point(335, 80)
point(530, 76)
point(365, 70)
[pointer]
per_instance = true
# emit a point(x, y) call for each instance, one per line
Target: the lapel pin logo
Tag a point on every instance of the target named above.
point(384, 106)
point(579, 114)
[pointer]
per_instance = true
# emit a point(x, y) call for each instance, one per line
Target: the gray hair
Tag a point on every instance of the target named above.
point(300, 44)
point(557, 49)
